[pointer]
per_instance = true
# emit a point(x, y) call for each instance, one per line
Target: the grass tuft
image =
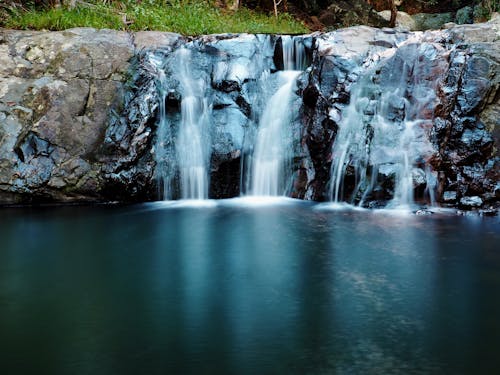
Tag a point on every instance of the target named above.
point(61, 19)
point(184, 17)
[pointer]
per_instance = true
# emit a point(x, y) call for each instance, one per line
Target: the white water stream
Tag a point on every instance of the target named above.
point(384, 132)
point(191, 145)
point(273, 146)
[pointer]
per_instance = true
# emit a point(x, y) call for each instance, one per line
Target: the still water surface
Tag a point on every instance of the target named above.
point(232, 288)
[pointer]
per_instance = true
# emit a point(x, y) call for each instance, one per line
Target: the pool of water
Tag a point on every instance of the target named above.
point(236, 287)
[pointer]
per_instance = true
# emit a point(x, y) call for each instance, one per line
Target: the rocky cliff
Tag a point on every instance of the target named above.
point(58, 94)
point(79, 109)
point(459, 111)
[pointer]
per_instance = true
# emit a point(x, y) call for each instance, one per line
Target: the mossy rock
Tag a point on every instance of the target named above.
point(428, 21)
point(350, 13)
point(464, 15)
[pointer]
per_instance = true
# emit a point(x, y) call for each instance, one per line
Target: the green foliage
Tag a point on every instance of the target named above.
point(185, 17)
point(464, 15)
point(484, 10)
point(60, 19)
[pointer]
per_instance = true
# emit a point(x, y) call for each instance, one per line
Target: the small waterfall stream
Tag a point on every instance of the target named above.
point(182, 147)
point(383, 134)
point(272, 149)
point(191, 143)
point(272, 153)
point(294, 54)
point(164, 136)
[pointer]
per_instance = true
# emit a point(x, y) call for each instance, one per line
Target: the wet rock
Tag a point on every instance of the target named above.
point(225, 175)
point(423, 212)
point(489, 212)
point(431, 21)
point(418, 178)
point(229, 130)
point(227, 86)
point(470, 105)
point(57, 90)
point(449, 196)
point(471, 202)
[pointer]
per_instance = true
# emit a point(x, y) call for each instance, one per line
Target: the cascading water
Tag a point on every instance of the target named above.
point(272, 152)
point(392, 102)
point(294, 53)
point(182, 147)
point(273, 141)
point(191, 143)
point(383, 132)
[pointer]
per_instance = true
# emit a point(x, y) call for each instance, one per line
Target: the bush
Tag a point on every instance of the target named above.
point(464, 15)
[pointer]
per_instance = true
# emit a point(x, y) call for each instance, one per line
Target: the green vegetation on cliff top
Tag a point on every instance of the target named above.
point(184, 17)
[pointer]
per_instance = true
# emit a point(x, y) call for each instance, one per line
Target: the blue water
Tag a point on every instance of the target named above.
point(236, 287)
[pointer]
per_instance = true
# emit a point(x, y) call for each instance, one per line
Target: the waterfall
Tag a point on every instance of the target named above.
point(272, 148)
point(294, 53)
point(377, 119)
point(182, 156)
point(272, 151)
point(192, 165)
point(186, 153)
point(383, 133)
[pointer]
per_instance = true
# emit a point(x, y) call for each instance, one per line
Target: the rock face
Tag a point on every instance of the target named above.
point(56, 93)
point(80, 111)
point(461, 120)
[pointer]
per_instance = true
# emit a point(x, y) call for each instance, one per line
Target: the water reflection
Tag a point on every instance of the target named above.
point(241, 288)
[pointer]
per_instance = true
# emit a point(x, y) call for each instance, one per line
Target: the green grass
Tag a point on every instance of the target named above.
point(61, 19)
point(184, 17)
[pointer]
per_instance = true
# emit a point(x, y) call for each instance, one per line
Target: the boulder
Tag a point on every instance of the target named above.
point(350, 13)
point(431, 21)
point(57, 91)
point(403, 20)
point(464, 15)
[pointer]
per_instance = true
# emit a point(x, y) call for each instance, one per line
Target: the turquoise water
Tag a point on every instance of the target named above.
point(242, 288)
